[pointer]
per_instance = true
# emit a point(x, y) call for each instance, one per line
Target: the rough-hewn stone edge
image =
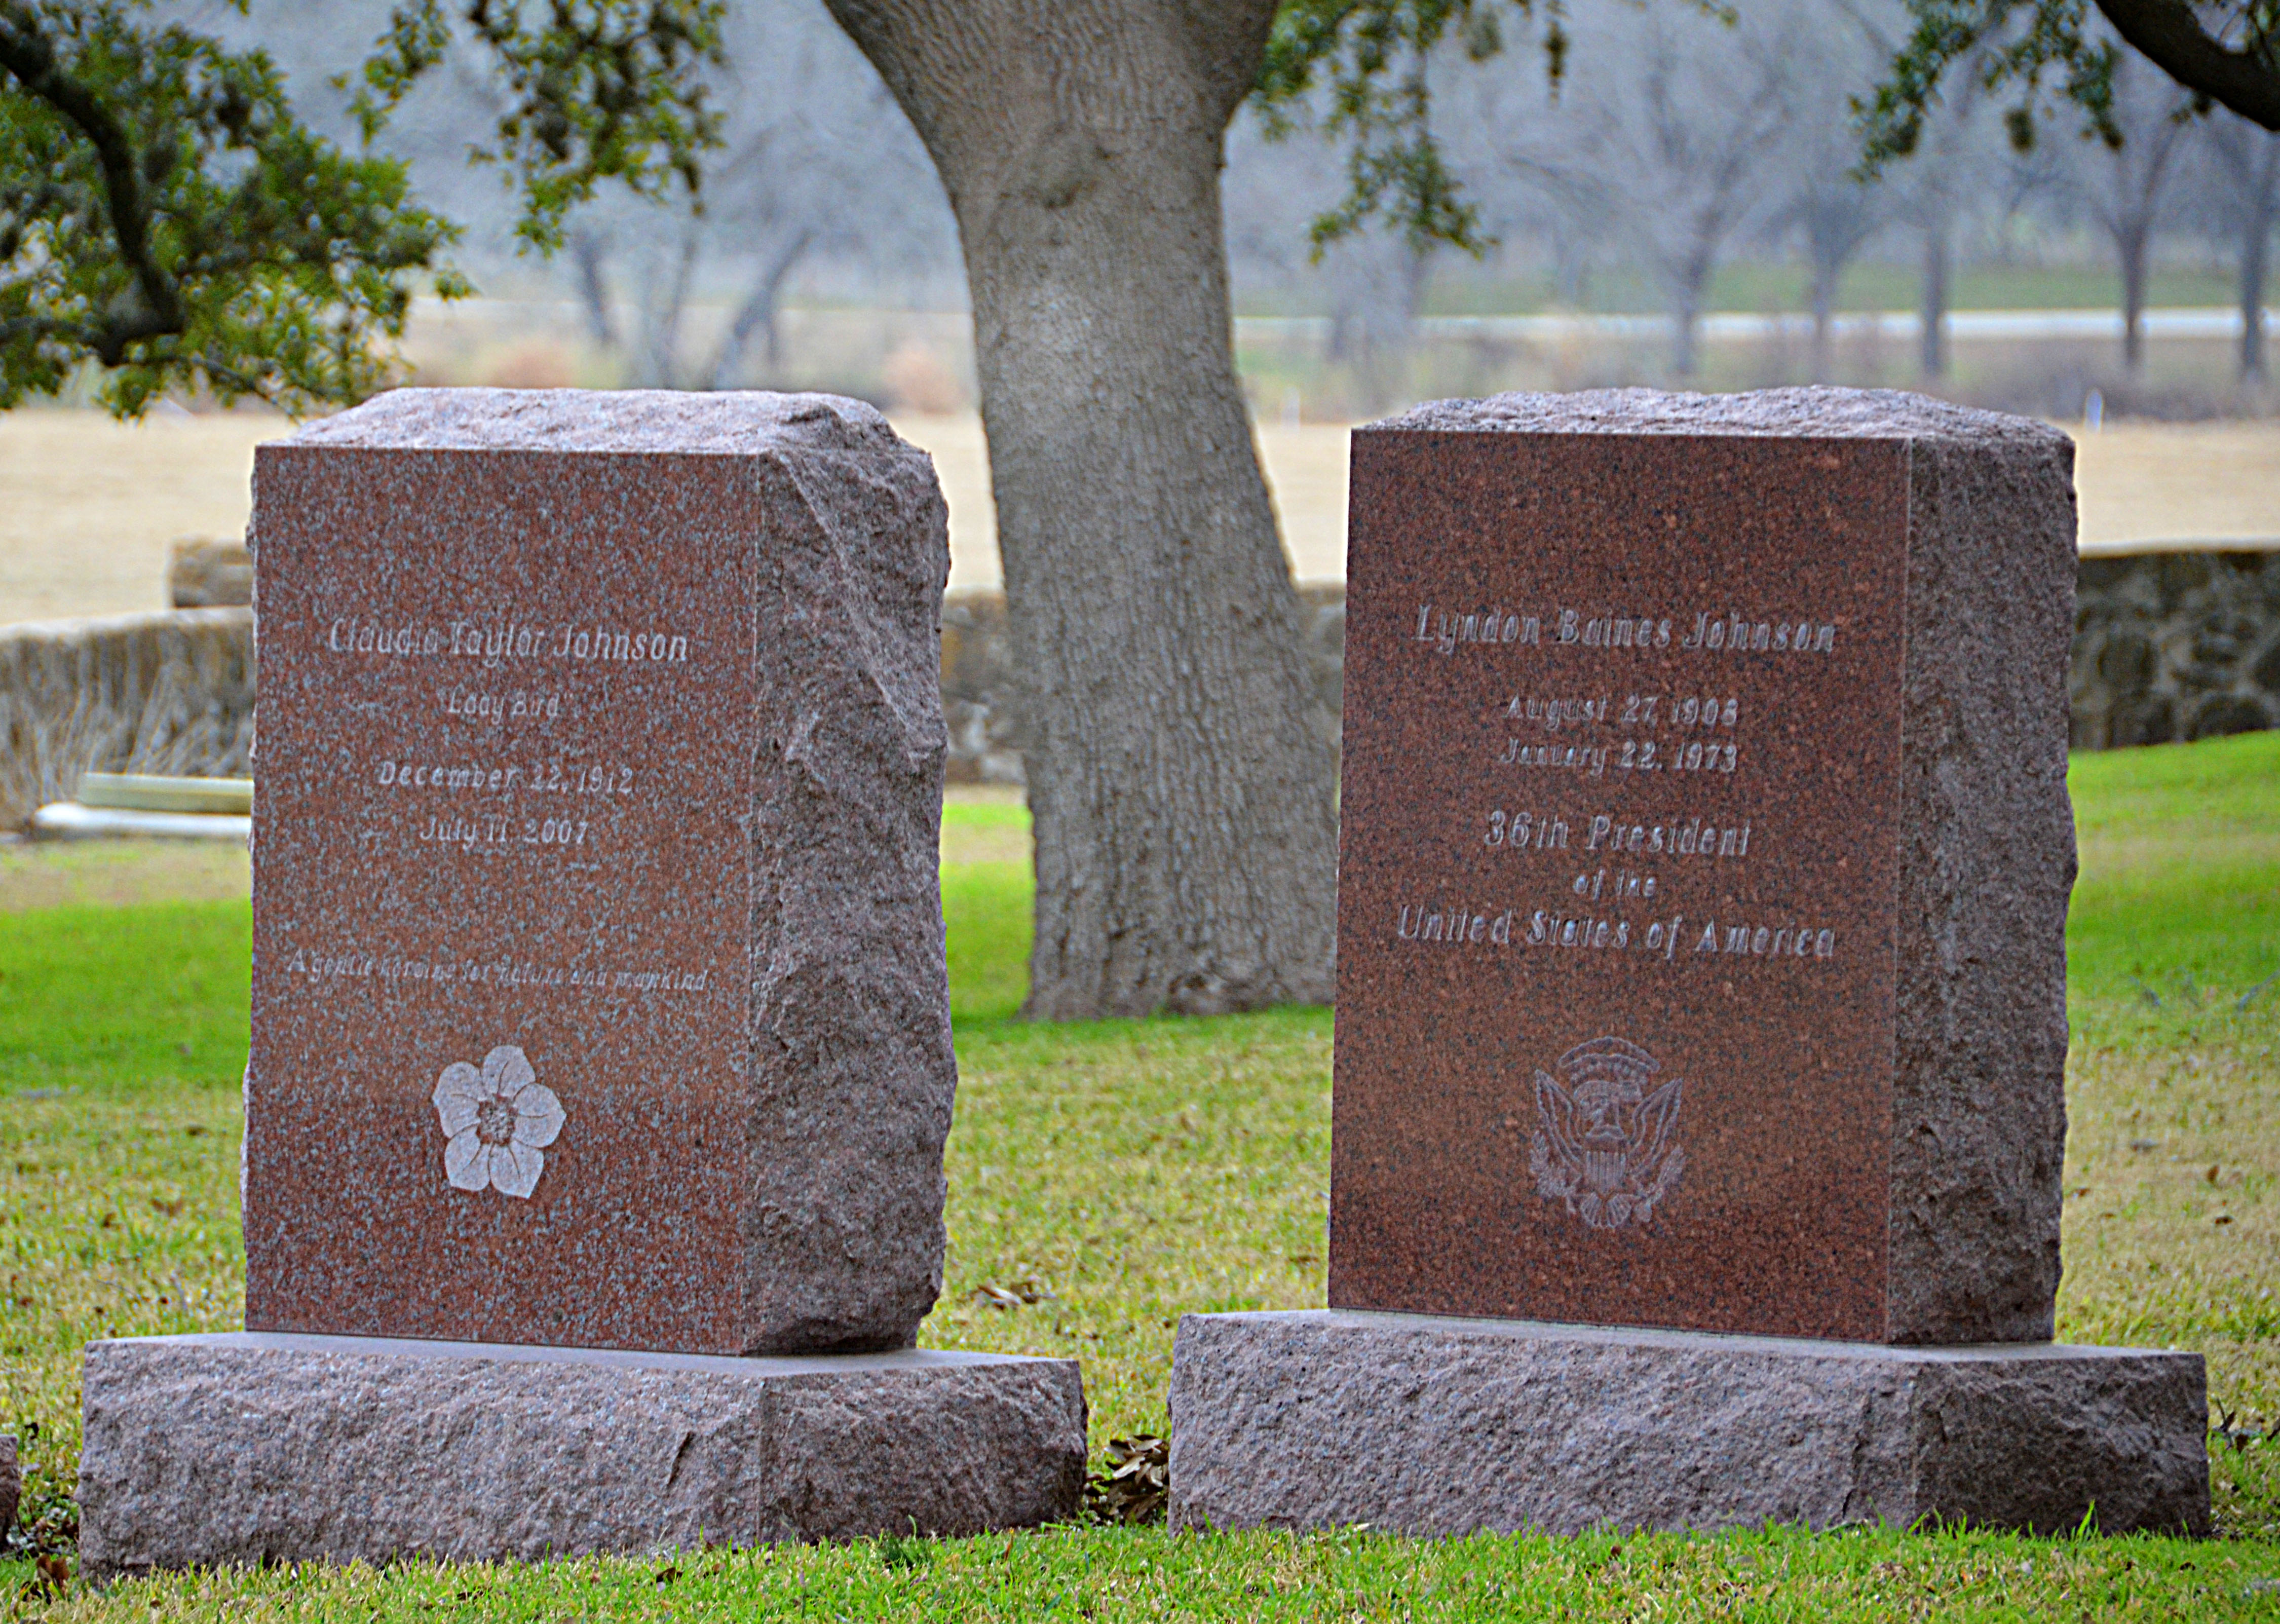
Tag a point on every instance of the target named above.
point(1814, 410)
point(1443, 1427)
point(249, 1448)
point(724, 422)
point(852, 1072)
point(1987, 863)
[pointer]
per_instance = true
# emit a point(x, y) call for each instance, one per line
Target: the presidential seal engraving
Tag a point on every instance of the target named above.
point(1603, 1143)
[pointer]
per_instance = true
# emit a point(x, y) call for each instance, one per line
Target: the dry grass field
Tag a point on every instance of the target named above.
point(88, 507)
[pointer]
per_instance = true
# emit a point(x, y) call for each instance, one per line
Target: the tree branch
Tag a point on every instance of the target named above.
point(1227, 45)
point(759, 308)
point(2168, 34)
point(26, 54)
point(43, 327)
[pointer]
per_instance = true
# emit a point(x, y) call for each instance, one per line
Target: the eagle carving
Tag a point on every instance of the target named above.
point(1604, 1144)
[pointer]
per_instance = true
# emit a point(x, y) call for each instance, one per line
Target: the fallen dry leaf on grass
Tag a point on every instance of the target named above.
point(1136, 1488)
point(1020, 1294)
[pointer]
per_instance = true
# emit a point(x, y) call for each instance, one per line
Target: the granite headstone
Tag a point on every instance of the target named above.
point(1701, 957)
point(599, 998)
point(598, 989)
point(1702, 947)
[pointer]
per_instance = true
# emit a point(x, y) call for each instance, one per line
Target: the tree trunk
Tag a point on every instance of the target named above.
point(2139, 165)
point(1932, 338)
point(662, 309)
point(594, 289)
point(2256, 239)
point(1690, 286)
point(2131, 241)
point(1182, 790)
point(758, 313)
point(1825, 273)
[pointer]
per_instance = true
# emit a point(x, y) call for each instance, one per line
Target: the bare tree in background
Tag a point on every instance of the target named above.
point(1516, 141)
point(814, 164)
point(2124, 185)
point(1377, 287)
point(1833, 211)
point(1652, 151)
point(817, 163)
point(1937, 193)
point(1835, 218)
point(1673, 121)
point(2247, 160)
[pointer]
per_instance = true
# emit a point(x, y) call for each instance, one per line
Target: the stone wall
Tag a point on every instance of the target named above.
point(2168, 645)
point(2175, 645)
point(170, 692)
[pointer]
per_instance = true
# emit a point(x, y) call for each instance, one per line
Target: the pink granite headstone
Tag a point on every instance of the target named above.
point(598, 988)
point(1699, 1103)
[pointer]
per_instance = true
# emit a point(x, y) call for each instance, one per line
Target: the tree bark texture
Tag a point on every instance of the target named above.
point(1180, 778)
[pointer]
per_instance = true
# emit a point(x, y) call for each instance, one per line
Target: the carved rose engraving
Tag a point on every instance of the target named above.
point(1603, 1143)
point(496, 1119)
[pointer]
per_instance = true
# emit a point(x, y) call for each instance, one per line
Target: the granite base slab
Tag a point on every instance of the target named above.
point(257, 1447)
point(1429, 1425)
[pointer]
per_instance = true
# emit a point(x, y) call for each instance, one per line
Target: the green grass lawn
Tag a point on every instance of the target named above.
point(1122, 1173)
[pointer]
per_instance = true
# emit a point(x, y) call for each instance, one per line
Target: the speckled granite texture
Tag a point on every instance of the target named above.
point(598, 989)
point(247, 1449)
point(1443, 1426)
point(1707, 857)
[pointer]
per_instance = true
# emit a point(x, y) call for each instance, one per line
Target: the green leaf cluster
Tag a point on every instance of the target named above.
point(2044, 55)
point(165, 215)
point(1370, 59)
point(596, 90)
point(2041, 51)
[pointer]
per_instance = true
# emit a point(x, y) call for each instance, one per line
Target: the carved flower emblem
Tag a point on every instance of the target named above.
point(496, 1119)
